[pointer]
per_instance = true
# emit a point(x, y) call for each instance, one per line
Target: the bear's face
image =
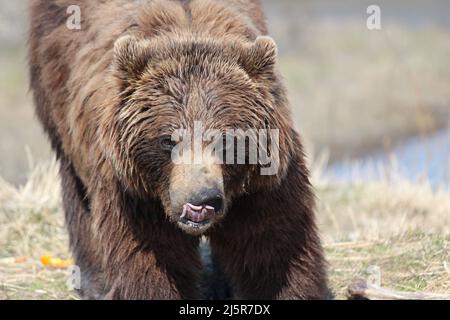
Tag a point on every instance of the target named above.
point(170, 132)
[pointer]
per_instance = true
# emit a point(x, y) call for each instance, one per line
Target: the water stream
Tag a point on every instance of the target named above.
point(417, 159)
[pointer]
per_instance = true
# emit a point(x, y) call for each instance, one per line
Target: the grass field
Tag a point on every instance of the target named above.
point(401, 228)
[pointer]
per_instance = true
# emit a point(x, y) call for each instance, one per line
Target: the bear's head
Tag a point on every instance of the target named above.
point(197, 123)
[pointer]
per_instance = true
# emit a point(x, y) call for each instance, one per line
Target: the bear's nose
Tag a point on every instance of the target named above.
point(209, 197)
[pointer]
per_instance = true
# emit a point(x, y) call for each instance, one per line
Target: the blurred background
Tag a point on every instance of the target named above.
point(359, 96)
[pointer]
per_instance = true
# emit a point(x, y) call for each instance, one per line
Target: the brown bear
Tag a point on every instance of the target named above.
point(110, 95)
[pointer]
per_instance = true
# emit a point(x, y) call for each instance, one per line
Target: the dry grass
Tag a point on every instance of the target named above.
point(400, 227)
point(31, 222)
point(414, 262)
point(373, 211)
point(31, 225)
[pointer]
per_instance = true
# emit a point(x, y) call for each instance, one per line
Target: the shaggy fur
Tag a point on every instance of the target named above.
point(136, 71)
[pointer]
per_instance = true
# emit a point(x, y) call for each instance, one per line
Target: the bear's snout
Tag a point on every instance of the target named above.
point(202, 209)
point(197, 196)
point(211, 198)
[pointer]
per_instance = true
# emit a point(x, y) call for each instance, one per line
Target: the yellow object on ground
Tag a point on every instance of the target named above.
point(49, 261)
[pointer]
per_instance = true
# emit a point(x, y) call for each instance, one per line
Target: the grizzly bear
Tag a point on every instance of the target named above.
point(110, 95)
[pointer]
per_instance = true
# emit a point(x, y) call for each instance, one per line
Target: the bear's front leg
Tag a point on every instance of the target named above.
point(144, 255)
point(268, 245)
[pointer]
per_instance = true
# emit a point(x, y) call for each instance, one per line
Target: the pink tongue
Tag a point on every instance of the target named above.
point(197, 213)
point(195, 208)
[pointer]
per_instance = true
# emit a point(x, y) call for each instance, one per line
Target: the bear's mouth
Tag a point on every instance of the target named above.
point(196, 216)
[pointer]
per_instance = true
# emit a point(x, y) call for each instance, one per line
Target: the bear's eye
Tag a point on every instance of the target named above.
point(166, 143)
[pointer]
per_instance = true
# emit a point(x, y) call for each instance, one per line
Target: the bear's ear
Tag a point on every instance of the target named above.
point(131, 56)
point(260, 58)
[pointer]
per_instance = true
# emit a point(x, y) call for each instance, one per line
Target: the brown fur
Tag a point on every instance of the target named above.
point(135, 72)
